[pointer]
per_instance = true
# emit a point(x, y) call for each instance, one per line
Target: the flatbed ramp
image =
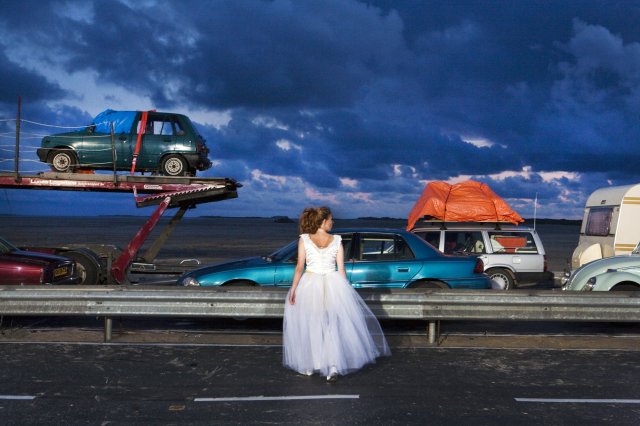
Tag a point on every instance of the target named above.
point(163, 191)
point(181, 190)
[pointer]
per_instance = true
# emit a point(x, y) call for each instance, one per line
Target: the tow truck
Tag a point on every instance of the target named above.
point(106, 264)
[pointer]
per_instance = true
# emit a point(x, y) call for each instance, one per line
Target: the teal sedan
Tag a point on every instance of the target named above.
point(374, 258)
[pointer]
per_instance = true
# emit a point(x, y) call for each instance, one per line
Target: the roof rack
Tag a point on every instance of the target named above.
point(430, 220)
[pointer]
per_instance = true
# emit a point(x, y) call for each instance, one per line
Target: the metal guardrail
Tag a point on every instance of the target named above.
point(247, 302)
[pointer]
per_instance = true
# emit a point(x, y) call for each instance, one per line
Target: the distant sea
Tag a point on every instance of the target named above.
point(217, 239)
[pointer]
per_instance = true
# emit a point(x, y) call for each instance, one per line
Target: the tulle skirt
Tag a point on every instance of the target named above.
point(330, 328)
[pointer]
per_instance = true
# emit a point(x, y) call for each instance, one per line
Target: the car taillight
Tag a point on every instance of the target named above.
point(46, 276)
point(545, 263)
point(201, 147)
point(479, 267)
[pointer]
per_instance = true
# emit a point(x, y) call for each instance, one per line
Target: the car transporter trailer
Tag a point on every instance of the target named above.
point(103, 263)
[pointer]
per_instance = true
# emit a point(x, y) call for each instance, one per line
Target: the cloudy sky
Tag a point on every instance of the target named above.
point(352, 104)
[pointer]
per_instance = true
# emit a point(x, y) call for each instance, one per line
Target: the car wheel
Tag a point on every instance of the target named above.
point(240, 283)
point(62, 161)
point(429, 284)
point(503, 277)
point(86, 267)
point(625, 287)
point(173, 165)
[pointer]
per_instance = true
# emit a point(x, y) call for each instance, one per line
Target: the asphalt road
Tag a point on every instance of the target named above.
point(97, 384)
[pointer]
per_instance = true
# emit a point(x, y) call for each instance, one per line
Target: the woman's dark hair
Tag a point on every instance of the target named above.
point(311, 219)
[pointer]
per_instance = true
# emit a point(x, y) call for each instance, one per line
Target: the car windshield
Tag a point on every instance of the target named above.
point(285, 253)
point(6, 247)
point(289, 253)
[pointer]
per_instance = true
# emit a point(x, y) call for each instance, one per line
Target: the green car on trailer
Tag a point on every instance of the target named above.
point(170, 145)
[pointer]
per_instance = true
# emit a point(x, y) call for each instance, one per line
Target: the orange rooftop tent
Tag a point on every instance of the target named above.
point(468, 201)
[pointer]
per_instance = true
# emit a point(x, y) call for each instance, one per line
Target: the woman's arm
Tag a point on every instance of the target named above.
point(340, 261)
point(298, 271)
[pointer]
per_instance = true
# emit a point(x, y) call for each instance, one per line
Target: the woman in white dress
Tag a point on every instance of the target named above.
point(328, 328)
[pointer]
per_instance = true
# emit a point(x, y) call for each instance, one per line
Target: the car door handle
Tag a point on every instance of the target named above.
point(403, 269)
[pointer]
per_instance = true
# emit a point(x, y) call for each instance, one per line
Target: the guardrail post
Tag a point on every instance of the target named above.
point(108, 325)
point(432, 331)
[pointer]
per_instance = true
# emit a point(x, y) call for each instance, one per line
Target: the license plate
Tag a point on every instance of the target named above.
point(60, 272)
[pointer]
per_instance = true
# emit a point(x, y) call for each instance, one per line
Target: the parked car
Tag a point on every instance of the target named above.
point(170, 145)
point(374, 258)
point(19, 267)
point(511, 254)
point(616, 273)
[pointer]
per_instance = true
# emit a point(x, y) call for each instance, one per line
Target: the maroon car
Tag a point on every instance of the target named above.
point(19, 267)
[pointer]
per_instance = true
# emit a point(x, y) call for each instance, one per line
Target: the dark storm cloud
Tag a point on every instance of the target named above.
point(233, 54)
point(383, 93)
point(592, 111)
point(344, 144)
point(29, 84)
point(488, 78)
point(304, 54)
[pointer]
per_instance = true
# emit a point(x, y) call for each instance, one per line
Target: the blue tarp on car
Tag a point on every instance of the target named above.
point(122, 121)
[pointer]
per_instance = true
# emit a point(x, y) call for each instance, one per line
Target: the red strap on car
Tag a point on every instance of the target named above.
point(141, 130)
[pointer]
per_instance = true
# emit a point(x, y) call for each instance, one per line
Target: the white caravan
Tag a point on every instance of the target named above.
point(610, 225)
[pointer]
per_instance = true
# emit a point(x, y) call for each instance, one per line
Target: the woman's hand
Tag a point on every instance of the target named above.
point(297, 274)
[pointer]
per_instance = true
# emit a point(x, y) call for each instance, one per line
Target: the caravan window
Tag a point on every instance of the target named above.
point(599, 221)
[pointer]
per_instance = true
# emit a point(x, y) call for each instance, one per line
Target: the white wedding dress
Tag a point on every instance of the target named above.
point(329, 329)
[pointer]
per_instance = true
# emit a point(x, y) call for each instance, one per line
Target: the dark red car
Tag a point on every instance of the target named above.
point(19, 267)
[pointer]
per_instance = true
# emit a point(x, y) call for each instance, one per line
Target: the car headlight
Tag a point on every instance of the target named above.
point(567, 279)
point(189, 282)
point(590, 284)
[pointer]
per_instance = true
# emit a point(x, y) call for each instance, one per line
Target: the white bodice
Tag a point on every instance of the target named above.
point(321, 260)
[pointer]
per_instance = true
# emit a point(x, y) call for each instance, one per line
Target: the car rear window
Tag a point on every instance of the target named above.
point(513, 242)
point(463, 242)
point(346, 245)
point(384, 247)
point(432, 237)
point(160, 127)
